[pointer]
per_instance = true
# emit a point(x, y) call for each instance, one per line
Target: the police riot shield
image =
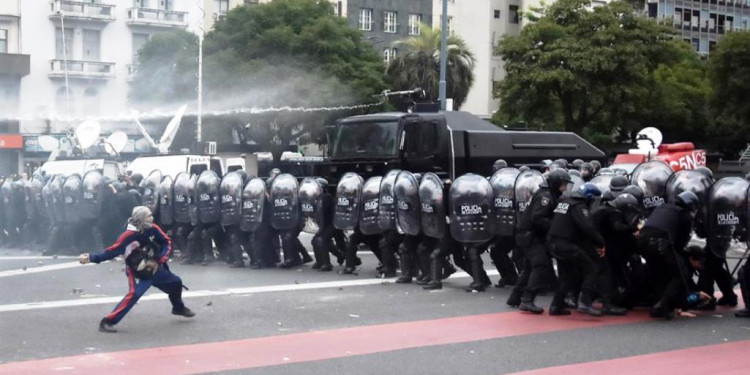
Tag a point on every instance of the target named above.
point(231, 199)
point(18, 203)
point(72, 195)
point(47, 199)
point(311, 205)
point(150, 188)
point(387, 206)
point(503, 214)
point(284, 202)
point(207, 192)
point(602, 182)
point(253, 198)
point(58, 201)
point(652, 177)
point(432, 205)
point(348, 201)
point(192, 188)
point(93, 192)
point(6, 191)
point(577, 182)
point(470, 202)
point(35, 207)
point(166, 201)
point(688, 180)
point(406, 192)
point(727, 213)
point(370, 216)
point(527, 183)
point(181, 198)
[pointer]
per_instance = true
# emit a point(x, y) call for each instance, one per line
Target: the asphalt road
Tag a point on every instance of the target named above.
point(301, 321)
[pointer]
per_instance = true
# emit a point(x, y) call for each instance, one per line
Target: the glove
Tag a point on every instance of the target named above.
point(84, 258)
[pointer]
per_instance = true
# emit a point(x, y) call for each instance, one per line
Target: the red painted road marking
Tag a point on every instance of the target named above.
point(724, 359)
point(313, 346)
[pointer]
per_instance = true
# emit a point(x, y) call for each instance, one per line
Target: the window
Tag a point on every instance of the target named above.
point(389, 54)
point(513, 14)
point(59, 53)
point(91, 45)
point(365, 19)
point(414, 20)
point(222, 6)
point(3, 41)
point(497, 14)
point(389, 22)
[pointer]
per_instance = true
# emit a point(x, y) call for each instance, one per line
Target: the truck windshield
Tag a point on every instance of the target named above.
point(376, 138)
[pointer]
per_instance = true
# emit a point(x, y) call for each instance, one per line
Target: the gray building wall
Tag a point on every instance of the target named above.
point(377, 37)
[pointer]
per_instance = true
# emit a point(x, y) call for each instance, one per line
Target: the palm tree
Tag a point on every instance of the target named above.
point(419, 65)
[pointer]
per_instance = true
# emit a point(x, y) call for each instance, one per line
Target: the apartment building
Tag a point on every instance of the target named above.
point(13, 67)
point(702, 23)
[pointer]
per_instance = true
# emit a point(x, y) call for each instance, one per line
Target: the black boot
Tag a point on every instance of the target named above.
point(406, 268)
point(744, 313)
point(448, 269)
point(183, 312)
point(325, 267)
point(557, 307)
point(106, 326)
point(515, 298)
point(436, 269)
point(478, 275)
point(727, 300)
point(586, 306)
point(527, 304)
point(661, 310)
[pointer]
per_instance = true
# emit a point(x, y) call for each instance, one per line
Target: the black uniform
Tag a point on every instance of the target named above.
point(617, 231)
point(531, 235)
point(322, 242)
point(662, 243)
point(572, 240)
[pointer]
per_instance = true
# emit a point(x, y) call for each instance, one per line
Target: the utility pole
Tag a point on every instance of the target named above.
point(443, 54)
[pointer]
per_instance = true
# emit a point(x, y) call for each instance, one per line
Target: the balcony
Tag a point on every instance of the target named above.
point(81, 69)
point(157, 17)
point(15, 65)
point(79, 10)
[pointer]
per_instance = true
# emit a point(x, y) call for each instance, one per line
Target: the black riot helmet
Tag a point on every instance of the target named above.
point(562, 163)
point(273, 173)
point(556, 179)
point(626, 202)
point(587, 171)
point(635, 191)
point(323, 182)
point(618, 183)
point(136, 179)
point(575, 172)
point(577, 163)
point(597, 166)
point(707, 172)
point(689, 200)
point(523, 168)
point(499, 164)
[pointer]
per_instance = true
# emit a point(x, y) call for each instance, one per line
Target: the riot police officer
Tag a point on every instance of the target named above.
point(531, 235)
point(662, 243)
point(571, 237)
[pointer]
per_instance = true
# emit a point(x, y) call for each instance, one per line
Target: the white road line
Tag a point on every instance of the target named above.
point(210, 293)
point(30, 270)
point(37, 257)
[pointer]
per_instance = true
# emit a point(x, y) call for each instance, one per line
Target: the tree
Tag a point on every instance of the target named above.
point(581, 69)
point(729, 69)
point(294, 53)
point(419, 65)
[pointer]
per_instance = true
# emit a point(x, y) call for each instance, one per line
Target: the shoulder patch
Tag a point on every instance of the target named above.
point(545, 201)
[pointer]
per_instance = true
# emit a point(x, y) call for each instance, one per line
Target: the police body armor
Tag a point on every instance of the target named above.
point(284, 202)
point(150, 188)
point(470, 201)
point(311, 205)
point(72, 195)
point(348, 201)
point(253, 199)
point(406, 191)
point(652, 177)
point(503, 214)
point(727, 213)
point(432, 205)
point(166, 201)
point(181, 198)
point(231, 199)
point(207, 193)
point(370, 216)
point(93, 192)
point(527, 183)
point(387, 203)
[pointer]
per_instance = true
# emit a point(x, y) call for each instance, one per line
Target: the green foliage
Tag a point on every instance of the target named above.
point(418, 65)
point(166, 68)
point(730, 73)
point(294, 53)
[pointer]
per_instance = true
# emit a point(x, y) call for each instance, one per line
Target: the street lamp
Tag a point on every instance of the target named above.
point(443, 54)
point(65, 60)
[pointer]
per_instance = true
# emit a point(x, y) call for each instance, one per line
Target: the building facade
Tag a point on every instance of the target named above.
point(14, 65)
point(702, 23)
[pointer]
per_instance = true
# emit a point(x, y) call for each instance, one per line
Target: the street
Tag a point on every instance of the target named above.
point(301, 321)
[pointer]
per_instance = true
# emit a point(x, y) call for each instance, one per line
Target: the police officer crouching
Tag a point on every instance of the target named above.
point(572, 239)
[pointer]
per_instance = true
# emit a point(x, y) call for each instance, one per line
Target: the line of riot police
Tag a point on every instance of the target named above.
point(615, 237)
